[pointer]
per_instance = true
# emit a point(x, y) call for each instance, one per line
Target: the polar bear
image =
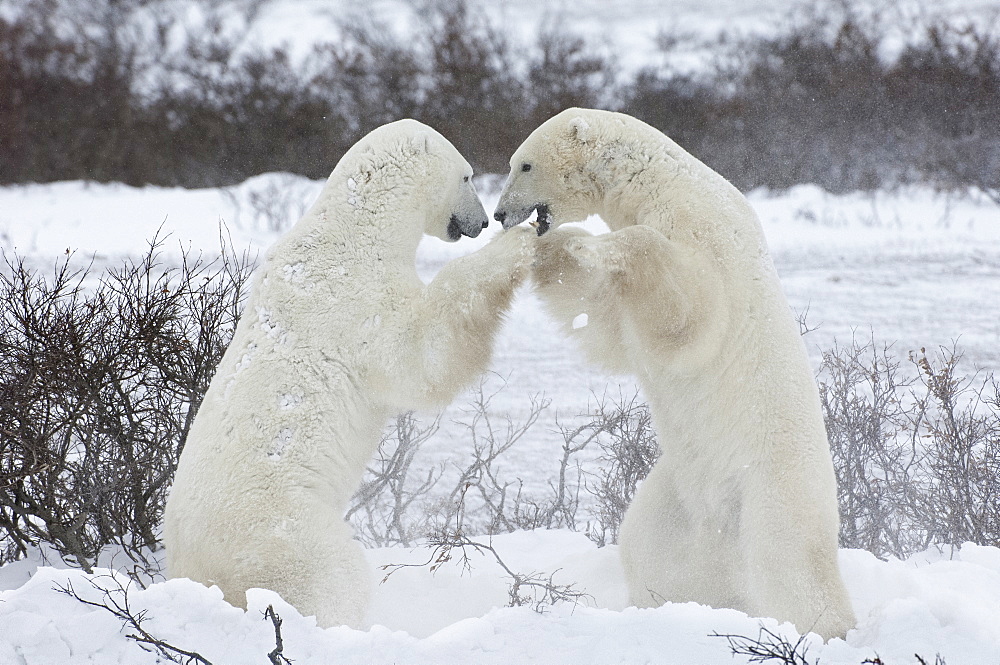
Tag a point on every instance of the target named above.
point(741, 509)
point(338, 335)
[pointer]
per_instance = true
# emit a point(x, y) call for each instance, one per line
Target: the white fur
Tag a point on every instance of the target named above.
point(741, 510)
point(338, 335)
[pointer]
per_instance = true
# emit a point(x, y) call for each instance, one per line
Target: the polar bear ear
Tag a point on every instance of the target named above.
point(366, 165)
point(579, 129)
point(421, 143)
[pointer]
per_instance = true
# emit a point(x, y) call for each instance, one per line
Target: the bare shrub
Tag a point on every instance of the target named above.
point(688, 107)
point(536, 590)
point(114, 597)
point(769, 646)
point(389, 509)
point(449, 543)
point(240, 113)
point(273, 205)
point(463, 74)
point(958, 423)
point(629, 451)
point(951, 73)
point(98, 389)
point(71, 108)
point(494, 508)
point(381, 509)
point(565, 71)
point(869, 418)
point(917, 457)
point(472, 84)
point(373, 75)
point(277, 654)
point(482, 500)
point(155, 97)
point(811, 104)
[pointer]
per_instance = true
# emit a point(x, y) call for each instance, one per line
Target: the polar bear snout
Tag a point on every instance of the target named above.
point(458, 227)
point(511, 216)
point(512, 219)
point(468, 217)
point(511, 209)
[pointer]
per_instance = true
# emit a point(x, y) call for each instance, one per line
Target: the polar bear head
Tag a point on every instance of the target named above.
point(565, 169)
point(412, 165)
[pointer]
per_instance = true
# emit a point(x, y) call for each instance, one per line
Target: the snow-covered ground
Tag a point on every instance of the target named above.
point(934, 603)
point(914, 268)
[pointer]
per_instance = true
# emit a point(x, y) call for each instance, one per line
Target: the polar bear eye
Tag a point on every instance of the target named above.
point(465, 179)
point(525, 167)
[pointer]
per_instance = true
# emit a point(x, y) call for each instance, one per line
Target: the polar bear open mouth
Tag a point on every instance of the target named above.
point(541, 223)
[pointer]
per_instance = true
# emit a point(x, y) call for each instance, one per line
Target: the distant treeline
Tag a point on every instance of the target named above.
point(121, 90)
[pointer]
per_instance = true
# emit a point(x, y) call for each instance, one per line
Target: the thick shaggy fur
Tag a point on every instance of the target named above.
point(338, 335)
point(741, 510)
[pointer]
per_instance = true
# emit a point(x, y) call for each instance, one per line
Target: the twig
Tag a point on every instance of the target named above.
point(122, 610)
point(768, 646)
point(276, 656)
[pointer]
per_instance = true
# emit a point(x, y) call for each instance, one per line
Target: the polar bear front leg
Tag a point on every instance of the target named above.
point(461, 311)
point(637, 289)
point(572, 279)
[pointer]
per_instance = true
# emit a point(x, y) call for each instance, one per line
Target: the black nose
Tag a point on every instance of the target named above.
point(500, 215)
point(486, 223)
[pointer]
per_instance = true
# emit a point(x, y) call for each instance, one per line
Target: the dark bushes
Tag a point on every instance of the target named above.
point(98, 388)
point(68, 108)
point(820, 103)
point(122, 90)
point(118, 102)
point(102, 91)
point(952, 74)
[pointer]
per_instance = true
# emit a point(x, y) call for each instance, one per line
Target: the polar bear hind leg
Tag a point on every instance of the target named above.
point(321, 574)
point(792, 572)
point(671, 552)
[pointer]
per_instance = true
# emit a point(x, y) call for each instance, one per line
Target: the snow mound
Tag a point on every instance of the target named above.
point(938, 602)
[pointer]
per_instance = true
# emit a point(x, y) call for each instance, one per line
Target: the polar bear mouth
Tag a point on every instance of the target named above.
point(541, 223)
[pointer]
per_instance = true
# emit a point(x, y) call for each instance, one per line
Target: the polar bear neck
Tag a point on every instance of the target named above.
point(643, 179)
point(639, 176)
point(369, 226)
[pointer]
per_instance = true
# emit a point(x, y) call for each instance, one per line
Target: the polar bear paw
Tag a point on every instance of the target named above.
point(515, 248)
point(563, 255)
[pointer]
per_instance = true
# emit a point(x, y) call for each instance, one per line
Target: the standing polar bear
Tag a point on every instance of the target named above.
point(741, 509)
point(338, 335)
